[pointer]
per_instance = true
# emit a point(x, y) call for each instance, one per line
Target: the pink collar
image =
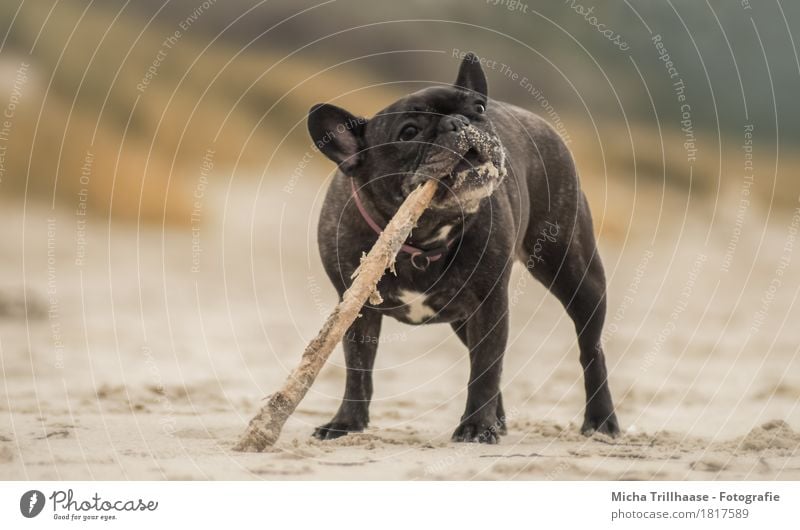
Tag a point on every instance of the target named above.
point(416, 254)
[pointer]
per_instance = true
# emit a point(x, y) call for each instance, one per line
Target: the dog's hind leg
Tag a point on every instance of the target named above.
point(564, 258)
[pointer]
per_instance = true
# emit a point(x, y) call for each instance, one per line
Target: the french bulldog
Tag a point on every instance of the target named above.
point(508, 190)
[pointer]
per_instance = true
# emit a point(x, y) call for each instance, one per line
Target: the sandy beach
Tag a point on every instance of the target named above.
point(141, 353)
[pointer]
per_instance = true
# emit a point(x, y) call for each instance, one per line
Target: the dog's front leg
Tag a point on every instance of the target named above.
point(486, 334)
point(360, 346)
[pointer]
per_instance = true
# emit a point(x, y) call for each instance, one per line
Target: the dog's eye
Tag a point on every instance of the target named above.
point(409, 132)
point(480, 108)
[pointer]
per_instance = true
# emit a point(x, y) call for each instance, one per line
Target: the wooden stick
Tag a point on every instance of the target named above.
point(266, 426)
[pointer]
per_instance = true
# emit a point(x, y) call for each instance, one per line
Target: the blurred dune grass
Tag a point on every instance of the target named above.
point(82, 105)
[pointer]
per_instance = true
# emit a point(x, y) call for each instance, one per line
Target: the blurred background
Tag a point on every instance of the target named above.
point(159, 196)
point(148, 87)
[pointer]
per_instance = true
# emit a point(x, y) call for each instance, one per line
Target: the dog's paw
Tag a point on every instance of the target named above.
point(603, 423)
point(474, 431)
point(335, 429)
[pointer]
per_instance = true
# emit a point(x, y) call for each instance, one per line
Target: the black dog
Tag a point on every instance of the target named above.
point(508, 190)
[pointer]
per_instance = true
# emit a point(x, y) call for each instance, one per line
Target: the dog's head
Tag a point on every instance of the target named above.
point(440, 132)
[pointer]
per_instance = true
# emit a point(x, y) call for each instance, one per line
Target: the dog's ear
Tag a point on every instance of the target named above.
point(337, 133)
point(471, 76)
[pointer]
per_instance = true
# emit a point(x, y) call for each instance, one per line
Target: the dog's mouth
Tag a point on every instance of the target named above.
point(476, 173)
point(469, 167)
point(469, 160)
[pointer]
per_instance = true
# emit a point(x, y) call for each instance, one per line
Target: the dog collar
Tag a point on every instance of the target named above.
point(420, 258)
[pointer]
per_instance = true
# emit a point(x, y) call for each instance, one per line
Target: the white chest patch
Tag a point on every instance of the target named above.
point(441, 234)
point(414, 303)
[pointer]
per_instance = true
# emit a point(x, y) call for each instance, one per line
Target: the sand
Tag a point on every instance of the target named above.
point(132, 365)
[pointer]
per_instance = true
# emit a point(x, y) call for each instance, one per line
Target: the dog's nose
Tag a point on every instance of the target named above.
point(452, 123)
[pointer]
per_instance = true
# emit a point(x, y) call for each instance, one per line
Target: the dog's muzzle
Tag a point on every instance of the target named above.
point(469, 165)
